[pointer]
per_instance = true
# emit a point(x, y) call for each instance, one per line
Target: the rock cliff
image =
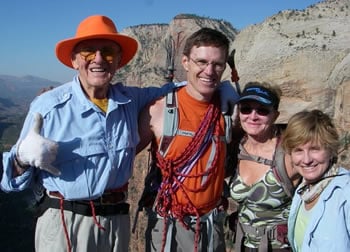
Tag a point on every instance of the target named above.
point(305, 52)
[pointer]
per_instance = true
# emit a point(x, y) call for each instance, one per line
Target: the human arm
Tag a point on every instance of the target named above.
point(145, 132)
point(230, 108)
point(346, 194)
point(228, 98)
point(150, 123)
point(347, 216)
point(148, 95)
point(228, 94)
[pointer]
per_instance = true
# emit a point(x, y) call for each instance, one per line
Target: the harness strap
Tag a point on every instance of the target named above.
point(177, 170)
point(170, 129)
point(259, 231)
point(266, 234)
point(171, 122)
point(281, 173)
point(208, 219)
point(244, 155)
point(209, 162)
point(277, 164)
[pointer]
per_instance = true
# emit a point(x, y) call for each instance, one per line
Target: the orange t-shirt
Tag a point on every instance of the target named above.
point(191, 112)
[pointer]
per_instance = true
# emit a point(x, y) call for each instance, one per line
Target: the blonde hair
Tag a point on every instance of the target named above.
point(311, 126)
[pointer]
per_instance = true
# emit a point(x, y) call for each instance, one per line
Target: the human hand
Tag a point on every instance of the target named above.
point(228, 97)
point(35, 150)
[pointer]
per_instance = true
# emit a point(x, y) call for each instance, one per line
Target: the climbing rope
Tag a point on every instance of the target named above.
point(176, 170)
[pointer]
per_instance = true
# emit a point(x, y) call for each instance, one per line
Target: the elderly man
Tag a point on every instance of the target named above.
point(78, 144)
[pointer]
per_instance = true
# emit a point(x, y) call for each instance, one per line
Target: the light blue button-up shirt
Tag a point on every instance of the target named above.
point(329, 227)
point(96, 150)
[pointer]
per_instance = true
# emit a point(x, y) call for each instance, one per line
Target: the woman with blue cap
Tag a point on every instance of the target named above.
point(264, 182)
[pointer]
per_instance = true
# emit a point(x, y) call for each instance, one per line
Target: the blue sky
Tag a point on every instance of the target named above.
point(30, 29)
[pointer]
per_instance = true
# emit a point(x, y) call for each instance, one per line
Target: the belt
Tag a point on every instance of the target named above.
point(83, 207)
point(247, 249)
point(259, 231)
point(110, 203)
point(107, 198)
point(216, 214)
point(266, 234)
point(206, 219)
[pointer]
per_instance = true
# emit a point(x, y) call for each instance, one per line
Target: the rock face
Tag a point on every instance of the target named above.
point(161, 45)
point(306, 53)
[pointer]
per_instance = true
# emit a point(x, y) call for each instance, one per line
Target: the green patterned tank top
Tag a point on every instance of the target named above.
point(263, 204)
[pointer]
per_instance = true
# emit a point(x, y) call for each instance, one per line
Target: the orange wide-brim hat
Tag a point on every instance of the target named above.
point(96, 27)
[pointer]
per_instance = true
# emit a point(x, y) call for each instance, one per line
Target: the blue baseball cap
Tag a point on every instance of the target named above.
point(261, 95)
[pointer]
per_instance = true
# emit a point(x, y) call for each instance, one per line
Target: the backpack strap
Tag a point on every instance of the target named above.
point(170, 114)
point(281, 172)
point(244, 155)
point(171, 123)
point(170, 130)
point(277, 164)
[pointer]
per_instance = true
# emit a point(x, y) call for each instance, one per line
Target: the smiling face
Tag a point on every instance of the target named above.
point(256, 119)
point(204, 66)
point(96, 60)
point(311, 160)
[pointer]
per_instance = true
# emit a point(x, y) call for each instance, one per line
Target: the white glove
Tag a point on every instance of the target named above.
point(35, 150)
point(228, 97)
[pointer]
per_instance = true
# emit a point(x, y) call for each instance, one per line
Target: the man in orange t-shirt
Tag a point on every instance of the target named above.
point(188, 216)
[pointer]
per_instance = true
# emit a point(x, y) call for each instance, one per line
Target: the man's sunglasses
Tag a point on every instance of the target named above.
point(246, 110)
point(107, 53)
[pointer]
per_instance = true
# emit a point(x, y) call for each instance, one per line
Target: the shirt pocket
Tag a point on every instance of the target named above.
point(78, 148)
point(124, 138)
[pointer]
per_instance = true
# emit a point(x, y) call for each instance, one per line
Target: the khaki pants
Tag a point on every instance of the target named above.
point(84, 234)
point(183, 239)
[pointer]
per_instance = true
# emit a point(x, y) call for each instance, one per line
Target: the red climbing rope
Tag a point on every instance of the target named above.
point(167, 204)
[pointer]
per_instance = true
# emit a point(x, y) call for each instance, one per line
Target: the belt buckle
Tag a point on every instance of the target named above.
point(271, 233)
point(111, 198)
point(106, 199)
point(189, 220)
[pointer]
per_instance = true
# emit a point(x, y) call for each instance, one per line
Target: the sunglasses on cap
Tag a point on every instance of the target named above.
point(89, 53)
point(247, 110)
